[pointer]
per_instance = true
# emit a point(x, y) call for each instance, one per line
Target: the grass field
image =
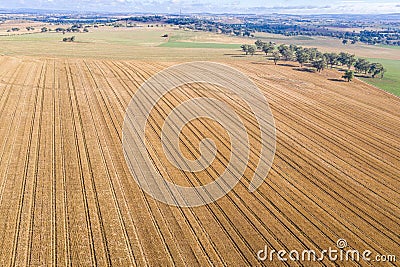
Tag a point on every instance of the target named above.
point(391, 80)
point(200, 45)
point(390, 46)
point(121, 43)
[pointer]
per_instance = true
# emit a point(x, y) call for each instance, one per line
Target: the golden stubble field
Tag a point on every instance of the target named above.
point(67, 197)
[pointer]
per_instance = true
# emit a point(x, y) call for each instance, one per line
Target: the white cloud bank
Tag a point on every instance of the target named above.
point(221, 6)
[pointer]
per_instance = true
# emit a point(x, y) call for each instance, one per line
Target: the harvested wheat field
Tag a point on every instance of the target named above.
point(67, 197)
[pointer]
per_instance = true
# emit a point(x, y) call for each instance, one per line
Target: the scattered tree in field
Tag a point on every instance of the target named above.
point(15, 29)
point(355, 40)
point(247, 33)
point(361, 65)
point(276, 56)
point(319, 64)
point(313, 53)
point(346, 59)
point(251, 50)
point(351, 59)
point(375, 69)
point(268, 48)
point(294, 48)
point(245, 48)
point(383, 72)
point(302, 56)
point(44, 29)
point(286, 52)
point(348, 75)
point(342, 58)
point(345, 41)
point(318, 60)
point(331, 58)
point(248, 49)
point(259, 44)
point(69, 39)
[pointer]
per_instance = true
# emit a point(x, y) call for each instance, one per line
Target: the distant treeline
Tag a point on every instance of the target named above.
point(388, 36)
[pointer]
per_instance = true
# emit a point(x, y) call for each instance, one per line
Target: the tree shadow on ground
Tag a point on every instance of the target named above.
point(286, 65)
point(360, 75)
point(260, 63)
point(336, 80)
point(305, 70)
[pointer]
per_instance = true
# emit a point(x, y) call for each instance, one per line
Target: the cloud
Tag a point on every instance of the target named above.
point(300, 7)
point(220, 6)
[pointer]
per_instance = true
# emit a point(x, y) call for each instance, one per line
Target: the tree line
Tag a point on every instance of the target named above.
point(285, 26)
point(315, 58)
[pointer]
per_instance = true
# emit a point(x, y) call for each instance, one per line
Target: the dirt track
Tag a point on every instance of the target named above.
point(67, 197)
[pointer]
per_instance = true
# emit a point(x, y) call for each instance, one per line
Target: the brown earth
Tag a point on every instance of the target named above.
point(67, 197)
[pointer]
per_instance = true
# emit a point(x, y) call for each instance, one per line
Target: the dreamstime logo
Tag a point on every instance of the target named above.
point(341, 243)
point(146, 99)
point(341, 253)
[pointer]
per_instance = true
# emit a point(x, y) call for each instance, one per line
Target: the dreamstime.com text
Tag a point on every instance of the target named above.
point(338, 253)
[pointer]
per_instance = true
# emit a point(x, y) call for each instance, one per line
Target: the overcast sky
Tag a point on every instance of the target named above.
point(215, 6)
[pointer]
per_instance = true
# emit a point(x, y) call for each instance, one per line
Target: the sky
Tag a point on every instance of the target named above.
point(215, 6)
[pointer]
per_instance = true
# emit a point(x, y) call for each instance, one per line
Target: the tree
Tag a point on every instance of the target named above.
point(342, 58)
point(351, 59)
point(346, 59)
point(69, 39)
point(245, 48)
point(44, 29)
point(375, 69)
point(276, 56)
point(313, 53)
point(285, 52)
point(248, 49)
point(302, 56)
point(383, 72)
point(345, 41)
point(268, 48)
point(361, 65)
point(251, 49)
point(319, 64)
point(294, 48)
point(331, 58)
point(247, 33)
point(348, 75)
point(259, 44)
